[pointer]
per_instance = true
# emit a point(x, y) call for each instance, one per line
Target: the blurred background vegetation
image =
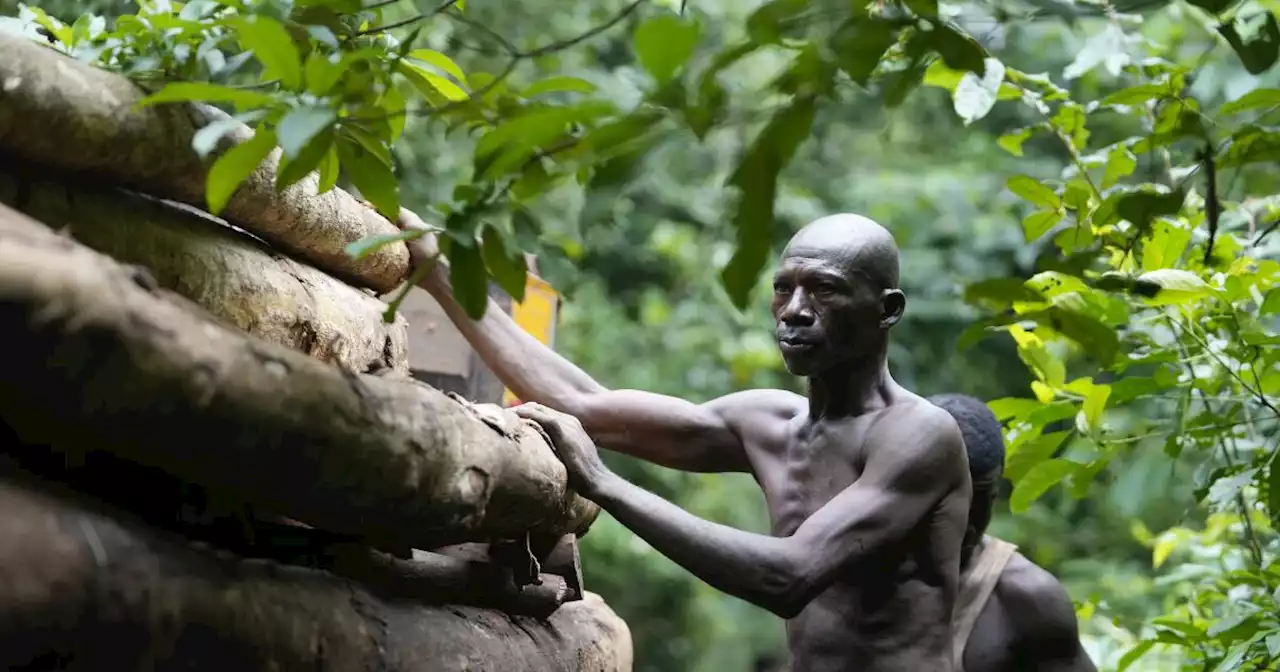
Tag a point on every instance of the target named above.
point(645, 307)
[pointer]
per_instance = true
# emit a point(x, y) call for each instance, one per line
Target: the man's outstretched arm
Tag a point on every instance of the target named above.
point(665, 430)
point(897, 489)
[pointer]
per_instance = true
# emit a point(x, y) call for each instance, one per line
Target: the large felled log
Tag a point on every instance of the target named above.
point(86, 590)
point(59, 112)
point(227, 272)
point(110, 361)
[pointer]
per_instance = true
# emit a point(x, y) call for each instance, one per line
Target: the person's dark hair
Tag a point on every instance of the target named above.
point(980, 428)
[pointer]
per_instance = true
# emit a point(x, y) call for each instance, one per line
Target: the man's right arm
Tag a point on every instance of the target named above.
point(664, 430)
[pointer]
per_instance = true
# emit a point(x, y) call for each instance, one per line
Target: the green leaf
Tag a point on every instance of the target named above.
point(466, 274)
point(1176, 286)
point(859, 45)
point(183, 92)
point(439, 60)
point(960, 52)
point(300, 125)
point(1012, 142)
point(328, 169)
point(1141, 207)
point(1120, 164)
point(1271, 304)
point(206, 140)
point(765, 25)
point(236, 164)
point(1094, 404)
point(273, 47)
point(431, 85)
point(1134, 654)
point(1214, 7)
point(560, 83)
point(1026, 455)
point(372, 177)
point(309, 157)
point(1037, 481)
point(321, 73)
point(370, 244)
point(507, 267)
point(1031, 190)
point(1251, 144)
point(975, 96)
point(757, 178)
point(1258, 54)
point(1074, 238)
point(664, 44)
point(1136, 95)
point(923, 8)
point(1251, 101)
point(1094, 337)
point(1165, 245)
point(1003, 290)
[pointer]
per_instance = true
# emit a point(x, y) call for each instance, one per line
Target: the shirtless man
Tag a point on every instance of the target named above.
point(867, 484)
point(1011, 616)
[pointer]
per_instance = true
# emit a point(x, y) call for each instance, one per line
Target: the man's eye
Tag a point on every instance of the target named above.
point(779, 288)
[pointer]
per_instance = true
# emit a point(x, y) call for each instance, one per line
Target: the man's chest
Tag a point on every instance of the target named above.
point(991, 646)
point(806, 471)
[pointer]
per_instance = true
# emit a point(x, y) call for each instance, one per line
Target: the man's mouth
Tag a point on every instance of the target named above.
point(795, 343)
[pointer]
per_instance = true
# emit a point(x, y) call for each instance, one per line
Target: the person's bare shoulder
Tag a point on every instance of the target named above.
point(922, 433)
point(1039, 604)
point(759, 415)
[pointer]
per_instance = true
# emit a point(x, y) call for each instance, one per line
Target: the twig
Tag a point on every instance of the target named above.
point(413, 19)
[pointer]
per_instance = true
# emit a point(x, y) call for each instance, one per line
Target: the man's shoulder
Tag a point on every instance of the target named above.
point(770, 404)
point(1036, 600)
point(913, 421)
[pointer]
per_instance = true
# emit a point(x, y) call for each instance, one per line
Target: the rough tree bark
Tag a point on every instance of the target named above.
point(110, 361)
point(59, 112)
point(88, 590)
point(227, 272)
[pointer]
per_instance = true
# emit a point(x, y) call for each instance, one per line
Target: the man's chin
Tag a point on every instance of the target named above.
point(797, 366)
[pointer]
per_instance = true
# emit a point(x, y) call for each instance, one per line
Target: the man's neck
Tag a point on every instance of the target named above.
point(853, 388)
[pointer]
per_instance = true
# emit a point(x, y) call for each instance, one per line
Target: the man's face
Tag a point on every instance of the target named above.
point(825, 313)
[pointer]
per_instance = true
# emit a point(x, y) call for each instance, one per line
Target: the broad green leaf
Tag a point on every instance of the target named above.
point(273, 47)
point(183, 92)
point(1120, 164)
point(960, 52)
point(859, 45)
point(1271, 304)
point(393, 104)
point(1141, 207)
point(560, 83)
point(1074, 238)
point(1164, 546)
point(329, 169)
point(1012, 142)
point(467, 276)
point(206, 140)
point(664, 44)
point(1025, 456)
point(1012, 407)
point(508, 267)
point(369, 244)
point(300, 125)
point(1094, 404)
point(372, 177)
point(1257, 54)
point(1251, 101)
point(308, 159)
point(1176, 286)
point(1135, 95)
point(1251, 144)
point(1003, 290)
point(439, 60)
point(1165, 245)
point(431, 86)
point(1212, 6)
point(1093, 336)
point(766, 24)
point(975, 96)
point(1031, 190)
point(321, 73)
point(757, 179)
point(1037, 481)
point(236, 164)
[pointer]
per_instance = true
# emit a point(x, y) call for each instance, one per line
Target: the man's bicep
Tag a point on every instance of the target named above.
point(666, 430)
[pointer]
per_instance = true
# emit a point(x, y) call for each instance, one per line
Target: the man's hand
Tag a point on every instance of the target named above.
point(572, 446)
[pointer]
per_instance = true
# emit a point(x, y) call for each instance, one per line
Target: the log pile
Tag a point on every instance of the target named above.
point(246, 360)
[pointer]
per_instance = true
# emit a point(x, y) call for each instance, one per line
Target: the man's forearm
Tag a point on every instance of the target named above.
point(758, 568)
point(533, 371)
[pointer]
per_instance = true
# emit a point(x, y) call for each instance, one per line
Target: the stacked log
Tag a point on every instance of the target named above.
point(247, 357)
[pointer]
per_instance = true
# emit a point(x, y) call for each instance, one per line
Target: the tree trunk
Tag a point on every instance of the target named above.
point(104, 360)
point(86, 590)
point(227, 272)
point(57, 111)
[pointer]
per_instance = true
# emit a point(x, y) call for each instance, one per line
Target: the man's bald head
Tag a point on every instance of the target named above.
point(855, 243)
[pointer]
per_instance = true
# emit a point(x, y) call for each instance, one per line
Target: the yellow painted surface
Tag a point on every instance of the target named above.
point(537, 316)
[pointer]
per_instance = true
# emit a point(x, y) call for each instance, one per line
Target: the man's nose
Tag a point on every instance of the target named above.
point(797, 312)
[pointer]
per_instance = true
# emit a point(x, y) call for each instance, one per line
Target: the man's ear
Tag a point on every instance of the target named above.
point(892, 302)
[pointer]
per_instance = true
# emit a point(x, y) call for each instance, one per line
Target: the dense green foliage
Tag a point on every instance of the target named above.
point(1091, 248)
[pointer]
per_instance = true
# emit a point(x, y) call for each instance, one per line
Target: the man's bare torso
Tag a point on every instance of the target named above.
point(891, 612)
